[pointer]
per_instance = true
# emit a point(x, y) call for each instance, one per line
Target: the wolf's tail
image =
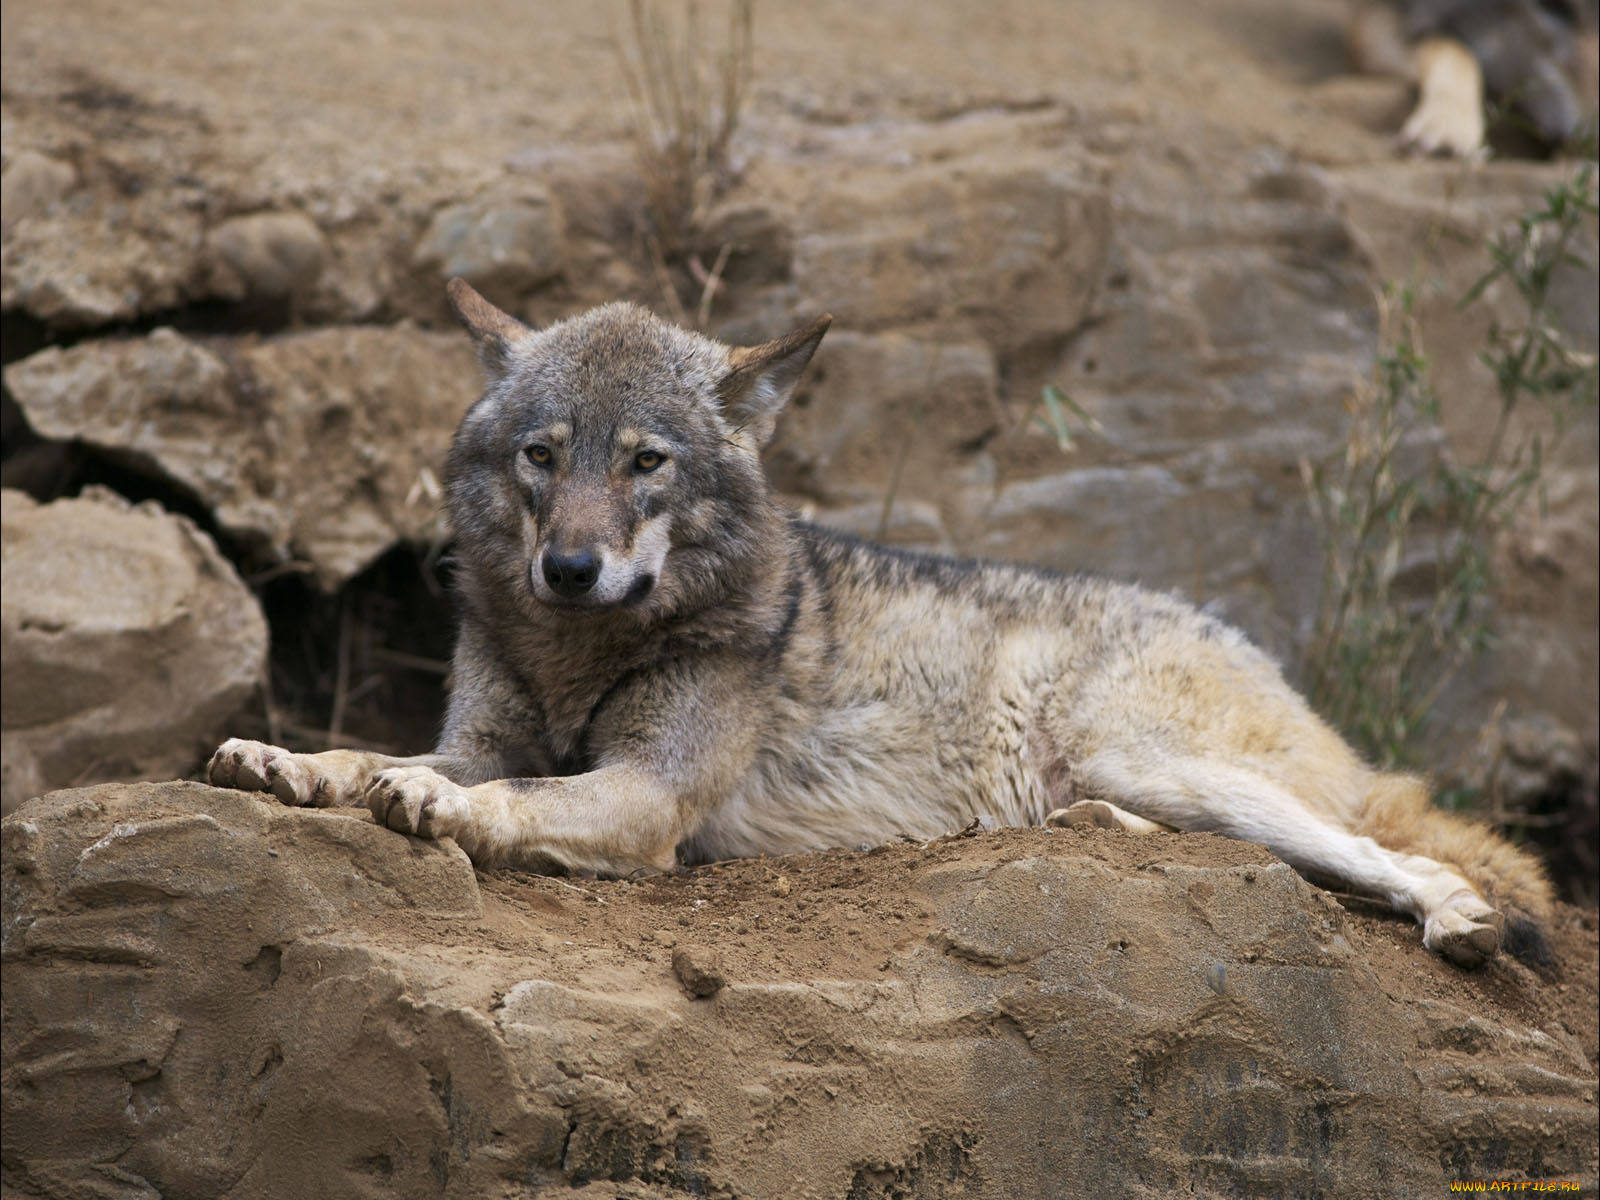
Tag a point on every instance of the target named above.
point(1398, 814)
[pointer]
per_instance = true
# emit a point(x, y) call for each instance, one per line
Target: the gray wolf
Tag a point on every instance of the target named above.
point(658, 663)
point(1538, 58)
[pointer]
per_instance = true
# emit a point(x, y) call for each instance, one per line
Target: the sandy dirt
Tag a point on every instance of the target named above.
point(287, 86)
point(215, 995)
point(845, 915)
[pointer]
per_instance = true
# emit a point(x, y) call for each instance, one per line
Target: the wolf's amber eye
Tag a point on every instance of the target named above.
point(647, 460)
point(539, 454)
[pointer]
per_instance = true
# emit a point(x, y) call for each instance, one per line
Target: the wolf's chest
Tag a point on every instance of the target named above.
point(564, 741)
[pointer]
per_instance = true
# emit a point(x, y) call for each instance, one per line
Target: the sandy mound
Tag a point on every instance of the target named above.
point(210, 995)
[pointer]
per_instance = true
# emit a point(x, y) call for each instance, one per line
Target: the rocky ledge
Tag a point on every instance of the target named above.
point(206, 995)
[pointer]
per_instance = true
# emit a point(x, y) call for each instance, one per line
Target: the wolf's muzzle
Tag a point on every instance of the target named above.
point(570, 575)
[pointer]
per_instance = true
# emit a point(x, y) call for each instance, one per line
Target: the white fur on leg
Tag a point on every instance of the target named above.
point(1200, 794)
point(614, 820)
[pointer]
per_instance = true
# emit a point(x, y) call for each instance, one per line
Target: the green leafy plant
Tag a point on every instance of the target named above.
point(1059, 411)
point(1409, 530)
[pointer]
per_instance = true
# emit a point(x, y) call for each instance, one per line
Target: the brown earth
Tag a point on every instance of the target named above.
point(211, 995)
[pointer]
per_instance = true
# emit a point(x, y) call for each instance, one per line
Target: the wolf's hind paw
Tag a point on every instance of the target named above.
point(1100, 814)
point(258, 767)
point(1464, 929)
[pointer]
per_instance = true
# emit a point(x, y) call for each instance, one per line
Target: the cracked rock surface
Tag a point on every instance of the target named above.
point(210, 995)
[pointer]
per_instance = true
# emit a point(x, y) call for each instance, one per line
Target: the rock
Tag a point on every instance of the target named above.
point(196, 978)
point(502, 244)
point(265, 256)
point(1528, 759)
point(31, 184)
point(323, 446)
point(699, 970)
point(83, 266)
point(1012, 250)
point(128, 642)
point(914, 524)
point(871, 401)
point(160, 866)
point(758, 243)
point(1086, 515)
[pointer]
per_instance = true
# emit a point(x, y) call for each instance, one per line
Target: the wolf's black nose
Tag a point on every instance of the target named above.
point(570, 575)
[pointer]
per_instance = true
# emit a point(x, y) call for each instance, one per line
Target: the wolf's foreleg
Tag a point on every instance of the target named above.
point(670, 757)
point(615, 820)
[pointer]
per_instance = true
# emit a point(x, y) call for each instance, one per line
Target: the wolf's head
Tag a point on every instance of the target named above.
point(612, 464)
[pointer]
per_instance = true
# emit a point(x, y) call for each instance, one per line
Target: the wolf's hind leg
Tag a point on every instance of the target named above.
point(1197, 794)
point(1101, 814)
point(326, 780)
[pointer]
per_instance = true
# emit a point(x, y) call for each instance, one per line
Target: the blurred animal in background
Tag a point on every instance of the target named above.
point(1538, 61)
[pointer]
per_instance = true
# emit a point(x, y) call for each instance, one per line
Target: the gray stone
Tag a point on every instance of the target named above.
point(914, 524)
point(196, 978)
point(128, 642)
point(699, 970)
point(1013, 250)
point(757, 242)
point(107, 263)
point(872, 400)
point(31, 184)
point(265, 255)
point(502, 244)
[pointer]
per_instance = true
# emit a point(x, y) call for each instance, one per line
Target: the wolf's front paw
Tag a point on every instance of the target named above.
point(417, 800)
point(1464, 929)
point(258, 767)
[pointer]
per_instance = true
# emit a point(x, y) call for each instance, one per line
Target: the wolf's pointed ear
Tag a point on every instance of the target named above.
point(761, 378)
point(494, 333)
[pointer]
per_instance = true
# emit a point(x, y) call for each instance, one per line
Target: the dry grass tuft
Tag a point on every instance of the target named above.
point(687, 96)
